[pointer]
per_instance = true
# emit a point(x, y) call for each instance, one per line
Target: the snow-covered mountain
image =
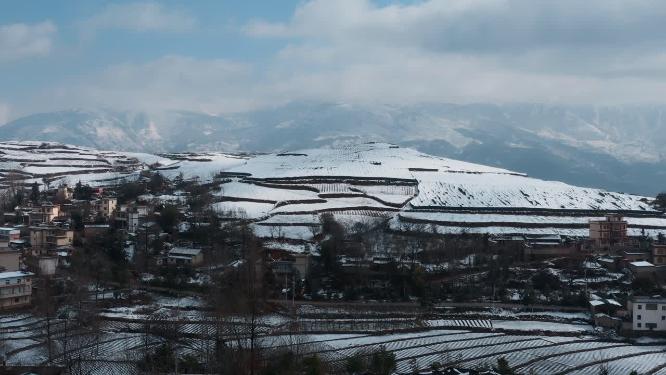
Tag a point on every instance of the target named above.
point(370, 183)
point(619, 148)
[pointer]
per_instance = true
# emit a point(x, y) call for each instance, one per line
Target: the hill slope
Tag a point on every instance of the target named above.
point(372, 183)
point(619, 148)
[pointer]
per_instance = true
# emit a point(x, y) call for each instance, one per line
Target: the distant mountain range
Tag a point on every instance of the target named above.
point(617, 148)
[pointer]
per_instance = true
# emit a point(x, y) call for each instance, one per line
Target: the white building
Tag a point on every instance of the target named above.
point(15, 289)
point(648, 314)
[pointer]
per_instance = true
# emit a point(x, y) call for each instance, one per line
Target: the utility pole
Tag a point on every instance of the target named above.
point(293, 292)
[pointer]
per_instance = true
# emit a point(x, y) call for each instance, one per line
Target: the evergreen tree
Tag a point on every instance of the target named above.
point(503, 367)
point(382, 362)
point(660, 200)
point(34, 193)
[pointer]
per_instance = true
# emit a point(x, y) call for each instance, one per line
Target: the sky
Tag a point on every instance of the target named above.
point(224, 56)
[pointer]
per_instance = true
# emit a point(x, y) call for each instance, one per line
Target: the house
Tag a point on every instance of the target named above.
point(7, 235)
point(642, 269)
point(104, 207)
point(15, 289)
point(128, 220)
point(659, 254)
point(611, 263)
point(610, 231)
point(636, 256)
point(603, 305)
point(607, 321)
point(49, 237)
point(648, 314)
point(185, 256)
point(44, 213)
point(10, 259)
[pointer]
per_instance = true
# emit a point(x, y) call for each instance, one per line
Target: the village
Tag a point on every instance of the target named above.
point(84, 253)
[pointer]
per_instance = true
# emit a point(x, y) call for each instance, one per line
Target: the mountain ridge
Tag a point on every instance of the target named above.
point(617, 148)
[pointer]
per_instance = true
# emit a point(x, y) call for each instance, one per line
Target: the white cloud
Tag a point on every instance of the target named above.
point(594, 52)
point(598, 51)
point(21, 40)
point(171, 82)
point(140, 17)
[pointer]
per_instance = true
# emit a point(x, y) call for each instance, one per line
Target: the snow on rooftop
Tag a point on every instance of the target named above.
point(641, 263)
point(13, 274)
point(184, 250)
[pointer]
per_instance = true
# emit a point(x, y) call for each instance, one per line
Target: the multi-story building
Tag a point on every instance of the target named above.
point(608, 232)
point(104, 206)
point(44, 214)
point(648, 314)
point(44, 238)
point(128, 220)
point(15, 289)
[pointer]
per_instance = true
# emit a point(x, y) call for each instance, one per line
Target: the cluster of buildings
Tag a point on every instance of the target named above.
point(41, 236)
point(15, 285)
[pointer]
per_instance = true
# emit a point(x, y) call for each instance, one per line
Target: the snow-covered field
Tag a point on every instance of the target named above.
point(567, 348)
point(536, 354)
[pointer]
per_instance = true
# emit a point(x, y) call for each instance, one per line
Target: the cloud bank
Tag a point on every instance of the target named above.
point(139, 17)
point(568, 51)
point(21, 40)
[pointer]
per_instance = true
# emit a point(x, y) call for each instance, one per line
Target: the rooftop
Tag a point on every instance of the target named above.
point(641, 263)
point(647, 299)
point(12, 274)
point(184, 251)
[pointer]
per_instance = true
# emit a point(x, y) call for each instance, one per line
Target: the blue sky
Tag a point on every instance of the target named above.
point(226, 56)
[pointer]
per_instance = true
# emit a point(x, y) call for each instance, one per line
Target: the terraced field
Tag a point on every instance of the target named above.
point(547, 355)
point(359, 184)
point(121, 342)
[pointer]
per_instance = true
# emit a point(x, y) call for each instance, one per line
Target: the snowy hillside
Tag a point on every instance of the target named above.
point(370, 183)
point(618, 148)
point(23, 163)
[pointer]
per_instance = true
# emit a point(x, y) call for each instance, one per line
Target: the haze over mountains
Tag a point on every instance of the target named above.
point(617, 148)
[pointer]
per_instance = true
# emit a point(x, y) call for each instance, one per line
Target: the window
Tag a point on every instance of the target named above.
point(663, 317)
point(638, 325)
point(640, 307)
point(651, 306)
point(638, 317)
